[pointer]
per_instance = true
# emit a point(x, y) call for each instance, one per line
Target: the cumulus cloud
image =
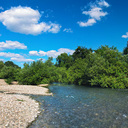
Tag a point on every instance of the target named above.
point(125, 36)
point(66, 50)
point(90, 22)
point(53, 53)
point(15, 57)
point(103, 3)
point(8, 54)
point(25, 20)
point(33, 53)
point(95, 13)
point(12, 45)
point(42, 53)
point(22, 59)
point(54, 28)
point(69, 30)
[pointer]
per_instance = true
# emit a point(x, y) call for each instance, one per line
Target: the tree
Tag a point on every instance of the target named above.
point(34, 73)
point(125, 51)
point(10, 63)
point(108, 68)
point(49, 61)
point(110, 54)
point(81, 52)
point(1, 65)
point(78, 72)
point(9, 73)
point(64, 60)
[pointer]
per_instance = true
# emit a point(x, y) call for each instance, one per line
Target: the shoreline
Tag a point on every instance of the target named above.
point(17, 109)
point(24, 89)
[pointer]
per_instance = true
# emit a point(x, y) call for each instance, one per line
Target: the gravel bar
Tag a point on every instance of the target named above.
point(16, 109)
point(25, 89)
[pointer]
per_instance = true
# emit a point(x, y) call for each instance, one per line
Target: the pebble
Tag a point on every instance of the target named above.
point(15, 115)
point(16, 109)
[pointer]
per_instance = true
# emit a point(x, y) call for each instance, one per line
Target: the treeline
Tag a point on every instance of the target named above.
point(104, 67)
point(9, 71)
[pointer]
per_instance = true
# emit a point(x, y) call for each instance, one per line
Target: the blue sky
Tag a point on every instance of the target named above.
point(34, 29)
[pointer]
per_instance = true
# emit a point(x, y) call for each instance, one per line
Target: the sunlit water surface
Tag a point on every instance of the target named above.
point(82, 107)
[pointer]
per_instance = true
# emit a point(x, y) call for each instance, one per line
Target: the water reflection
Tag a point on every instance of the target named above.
point(81, 107)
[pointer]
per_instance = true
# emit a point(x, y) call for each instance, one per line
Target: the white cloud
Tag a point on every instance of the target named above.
point(22, 59)
point(53, 53)
point(54, 28)
point(8, 54)
point(42, 53)
point(33, 53)
point(15, 57)
point(66, 50)
point(25, 20)
point(12, 45)
point(90, 22)
point(125, 36)
point(68, 30)
point(103, 3)
point(95, 13)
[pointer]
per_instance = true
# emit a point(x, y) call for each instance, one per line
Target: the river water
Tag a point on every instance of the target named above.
point(82, 107)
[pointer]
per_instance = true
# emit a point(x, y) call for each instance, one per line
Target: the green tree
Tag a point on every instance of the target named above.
point(125, 51)
point(108, 68)
point(49, 61)
point(110, 54)
point(78, 72)
point(1, 65)
point(10, 63)
point(9, 73)
point(64, 60)
point(35, 73)
point(81, 52)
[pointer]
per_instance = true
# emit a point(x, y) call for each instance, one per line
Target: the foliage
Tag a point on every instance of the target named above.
point(9, 73)
point(45, 81)
point(109, 69)
point(125, 51)
point(9, 80)
point(81, 52)
point(61, 75)
point(33, 73)
point(105, 67)
point(1, 65)
point(11, 64)
point(78, 72)
point(49, 61)
point(64, 60)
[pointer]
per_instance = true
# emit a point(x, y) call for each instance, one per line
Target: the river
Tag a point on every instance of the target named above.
point(82, 107)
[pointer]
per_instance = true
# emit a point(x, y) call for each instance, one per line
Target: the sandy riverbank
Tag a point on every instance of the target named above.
point(17, 110)
point(25, 89)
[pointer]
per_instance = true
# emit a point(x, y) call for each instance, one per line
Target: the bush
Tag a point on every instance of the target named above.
point(45, 81)
point(9, 80)
point(33, 74)
point(106, 67)
point(9, 73)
